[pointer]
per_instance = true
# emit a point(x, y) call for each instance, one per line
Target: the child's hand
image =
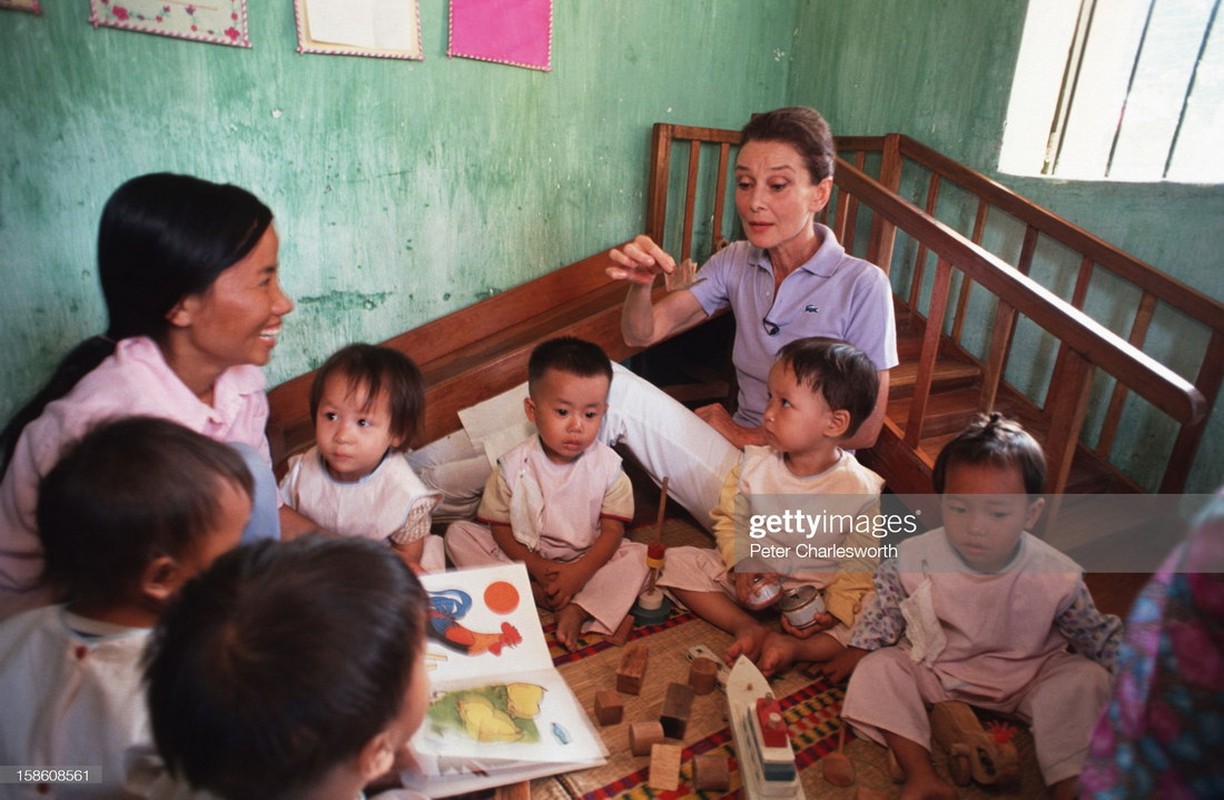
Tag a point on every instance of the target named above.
point(748, 583)
point(565, 581)
point(743, 586)
point(839, 667)
point(820, 623)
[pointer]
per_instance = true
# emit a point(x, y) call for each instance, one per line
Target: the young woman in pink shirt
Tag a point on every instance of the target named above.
point(188, 269)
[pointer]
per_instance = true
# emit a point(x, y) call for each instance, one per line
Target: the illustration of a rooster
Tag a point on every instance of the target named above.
point(446, 608)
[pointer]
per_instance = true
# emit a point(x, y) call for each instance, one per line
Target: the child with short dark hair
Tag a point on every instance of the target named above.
point(367, 403)
point(129, 513)
point(559, 501)
point(290, 670)
point(982, 611)
point(820, 391)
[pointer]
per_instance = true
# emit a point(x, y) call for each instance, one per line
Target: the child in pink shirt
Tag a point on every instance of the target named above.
point(559, 501)
point(982, 611)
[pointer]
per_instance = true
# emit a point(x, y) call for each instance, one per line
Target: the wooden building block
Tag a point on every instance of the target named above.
point(632, 669)
point(677, 705)
point(665, 767)
point(621, 635)
point(711, 773)
point(703, 675)
point(609, 709)
point(644, 735)
point(513, 791)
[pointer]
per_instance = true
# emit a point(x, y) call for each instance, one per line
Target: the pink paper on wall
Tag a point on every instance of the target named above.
point(517, 32)
point(217, 22)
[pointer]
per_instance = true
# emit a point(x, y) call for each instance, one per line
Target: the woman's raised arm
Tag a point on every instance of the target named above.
point(644, 322)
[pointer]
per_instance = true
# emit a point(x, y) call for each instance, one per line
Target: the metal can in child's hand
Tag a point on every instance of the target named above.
point(766, 589)
point(800, 605)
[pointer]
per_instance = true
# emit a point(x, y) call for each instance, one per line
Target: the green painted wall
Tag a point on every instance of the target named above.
point(406, 190)
point(403, 190)
point(941, 71)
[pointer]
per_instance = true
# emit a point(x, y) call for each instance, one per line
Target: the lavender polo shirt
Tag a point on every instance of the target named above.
point(833, 294)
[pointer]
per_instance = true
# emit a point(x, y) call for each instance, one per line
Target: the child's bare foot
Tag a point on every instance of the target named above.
point(778, 653)
point(748, 641)
point(569, 625)
point(914, 761)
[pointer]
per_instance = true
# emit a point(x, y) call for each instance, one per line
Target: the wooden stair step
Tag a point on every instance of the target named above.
point(947, 411)
point(948, 372)
point(950, 409)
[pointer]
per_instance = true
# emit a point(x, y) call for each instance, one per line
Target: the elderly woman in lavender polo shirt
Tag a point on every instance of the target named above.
point(791, 279)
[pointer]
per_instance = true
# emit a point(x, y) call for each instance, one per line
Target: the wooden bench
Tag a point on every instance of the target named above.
point(481, 350)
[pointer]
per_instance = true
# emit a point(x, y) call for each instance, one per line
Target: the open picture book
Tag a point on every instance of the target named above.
point(499, 712)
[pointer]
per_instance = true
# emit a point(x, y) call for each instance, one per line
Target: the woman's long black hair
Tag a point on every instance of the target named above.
point(162, 237)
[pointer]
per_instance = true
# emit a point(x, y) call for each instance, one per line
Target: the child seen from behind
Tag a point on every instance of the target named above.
point(127, 515)
point(559, 502)
point(290, 670)
point(367, 403)
point(820, 391)
point(982, 611)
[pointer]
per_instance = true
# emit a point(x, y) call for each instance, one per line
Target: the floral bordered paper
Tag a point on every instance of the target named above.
point(213, 21)
point(516, 32)
point(372, 28)
point(22, 5)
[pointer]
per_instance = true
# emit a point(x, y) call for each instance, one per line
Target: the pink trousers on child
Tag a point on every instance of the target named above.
point(607, 596)
point(888, 691)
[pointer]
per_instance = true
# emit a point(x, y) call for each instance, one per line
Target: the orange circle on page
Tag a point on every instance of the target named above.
point(501, 597)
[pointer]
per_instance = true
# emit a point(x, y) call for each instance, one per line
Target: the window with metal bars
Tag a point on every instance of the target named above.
point(1128, 90)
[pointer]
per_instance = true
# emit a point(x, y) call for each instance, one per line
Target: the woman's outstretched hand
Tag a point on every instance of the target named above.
point(639, 261)
point(718, 418)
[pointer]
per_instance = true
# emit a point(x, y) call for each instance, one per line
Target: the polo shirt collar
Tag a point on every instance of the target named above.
point(823, 263)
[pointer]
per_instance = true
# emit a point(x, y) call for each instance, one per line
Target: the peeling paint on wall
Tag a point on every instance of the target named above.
point(343, 302)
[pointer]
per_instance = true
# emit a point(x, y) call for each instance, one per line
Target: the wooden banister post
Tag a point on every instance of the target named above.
point(690, 199)
point(930, 351)
point(1211, 373)
point(659, 172)
point(996, 356)
point(883, 234)
point(932, 202)
point(717, 240)
point(1066, 406)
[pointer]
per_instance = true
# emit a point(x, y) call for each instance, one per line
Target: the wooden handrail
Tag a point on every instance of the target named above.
point(1095, 255)
point(1161, 386)
point(1135, 270)
point(1084, 345)
point(1138, 272)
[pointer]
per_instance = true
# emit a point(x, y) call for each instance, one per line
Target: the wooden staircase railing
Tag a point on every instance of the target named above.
point(945, 376)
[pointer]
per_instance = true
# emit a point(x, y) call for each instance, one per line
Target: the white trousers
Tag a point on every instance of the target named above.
point(666, 438)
